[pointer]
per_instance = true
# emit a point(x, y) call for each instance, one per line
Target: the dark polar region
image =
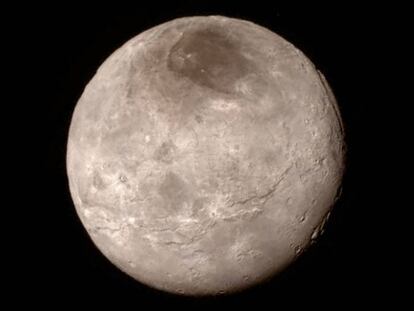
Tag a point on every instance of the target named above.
point(205, 155)
point(210, 59)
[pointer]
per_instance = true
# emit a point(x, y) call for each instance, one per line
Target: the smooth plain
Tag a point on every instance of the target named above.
point(205, 155)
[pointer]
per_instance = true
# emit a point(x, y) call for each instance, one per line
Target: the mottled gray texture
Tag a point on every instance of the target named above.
point(205, 155)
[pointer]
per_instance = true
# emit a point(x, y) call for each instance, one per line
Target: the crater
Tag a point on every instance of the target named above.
point(97, 181)
point(209, 59)
point(165, 152)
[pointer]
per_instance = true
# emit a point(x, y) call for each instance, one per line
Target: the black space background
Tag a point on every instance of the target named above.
point(69, 43)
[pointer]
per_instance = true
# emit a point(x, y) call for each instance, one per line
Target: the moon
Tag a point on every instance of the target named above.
point(205, 155)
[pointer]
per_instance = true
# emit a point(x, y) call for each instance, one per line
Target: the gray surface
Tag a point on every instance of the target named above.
point(205, 155)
